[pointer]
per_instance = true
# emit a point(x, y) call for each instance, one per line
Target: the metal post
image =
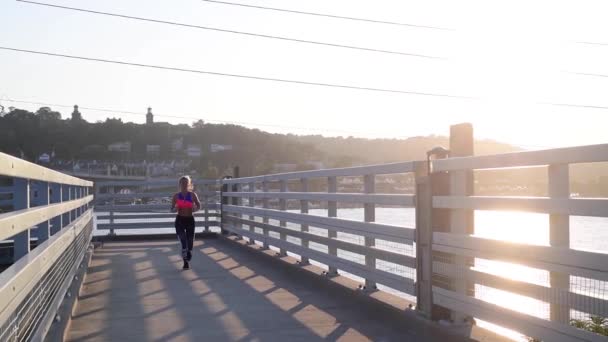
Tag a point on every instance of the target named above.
point(112, 233)
point(462, 220)
point(559, 236)
point(56, 197)
point(224, 201)
point(265, 205)
point(424, 240)
point(205, 205)
point(43, 231)
point(283, 223)
point(332, 211)
point(239, 202)
point(21, 200)
point(251, 204)
point(370, 216)
point(304, 227)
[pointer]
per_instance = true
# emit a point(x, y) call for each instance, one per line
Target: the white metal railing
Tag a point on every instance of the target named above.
point(446, 247)
point(53, 210)
point(248, 214)
point(563, 264)
point(132, 215)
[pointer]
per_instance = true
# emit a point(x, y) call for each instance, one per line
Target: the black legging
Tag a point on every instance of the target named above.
point(184, 228)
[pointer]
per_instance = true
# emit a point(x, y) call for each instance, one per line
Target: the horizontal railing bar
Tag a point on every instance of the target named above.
point(381, 199)
point(568, 155)
point(567, 206)
point(161, 208)
point(150, 225)
point(375, 230)
point(564, 260)
point(575, 301)
point(527, 324)
point(15, 222)
point(383, 169)
point(199, 213)
point(14, 167)
point(152, 182)
point(18, 280)
point(385, 278)
point(382, 254)
point(150, 194)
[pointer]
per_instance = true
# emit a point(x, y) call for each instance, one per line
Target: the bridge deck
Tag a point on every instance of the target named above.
point(136, 291)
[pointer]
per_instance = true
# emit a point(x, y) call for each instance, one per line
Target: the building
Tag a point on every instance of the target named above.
point(76, 116)
point(218, 148)
point(149, 117)
point(122, 146)
point(194, 151)
point(177, 144)
point(153, 149)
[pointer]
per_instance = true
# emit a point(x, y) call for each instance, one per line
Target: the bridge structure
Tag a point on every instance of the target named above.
point(263, 270)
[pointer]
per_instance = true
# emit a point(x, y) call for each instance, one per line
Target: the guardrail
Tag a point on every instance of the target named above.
point(568, 268)
point(443, 255)
point(52, 209)
point(294, 232)
point(113, 216)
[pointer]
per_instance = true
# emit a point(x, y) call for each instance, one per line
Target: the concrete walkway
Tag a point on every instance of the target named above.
point(136, 291)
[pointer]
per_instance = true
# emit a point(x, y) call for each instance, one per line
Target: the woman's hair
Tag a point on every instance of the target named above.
point(187, 179)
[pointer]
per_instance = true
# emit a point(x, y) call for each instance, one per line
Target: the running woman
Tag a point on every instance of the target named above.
point(185, 202)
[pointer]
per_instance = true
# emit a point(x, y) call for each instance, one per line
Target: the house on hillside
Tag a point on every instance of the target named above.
point(122, 146)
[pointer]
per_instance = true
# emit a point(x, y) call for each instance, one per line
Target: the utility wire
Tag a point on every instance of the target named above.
point(327, 15)
point(589, 74)
point(588, 43)
point(259, 78)
point(232, 31)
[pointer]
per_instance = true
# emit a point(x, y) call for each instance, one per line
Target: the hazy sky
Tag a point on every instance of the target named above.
point(511, 57)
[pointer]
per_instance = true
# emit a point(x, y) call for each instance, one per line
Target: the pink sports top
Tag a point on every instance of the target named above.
point(184, 201)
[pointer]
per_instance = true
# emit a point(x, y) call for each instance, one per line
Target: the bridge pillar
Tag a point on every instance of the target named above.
point(21, 200)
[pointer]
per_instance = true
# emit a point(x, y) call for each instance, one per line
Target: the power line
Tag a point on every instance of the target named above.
point(577, 106)
point(588, 43)
point(259, 78)
point(258, 35)
point(327, 15)
point(589, 74)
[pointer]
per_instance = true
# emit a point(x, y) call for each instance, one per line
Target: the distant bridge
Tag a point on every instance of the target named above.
point(261, 272)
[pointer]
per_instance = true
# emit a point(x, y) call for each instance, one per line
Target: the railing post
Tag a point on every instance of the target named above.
point(56, 197)
point(304, 228)
point(462, 221)
point(205, 205)
point(424, 240)
point(21, 200)
point(251, 204)
point(238, 201)
point(265, 205)
point(370, 216)
point(332, 211)
point(283, 223)
point(43, 231)
point(112, 233)
point(559, 236)
point(224, 200)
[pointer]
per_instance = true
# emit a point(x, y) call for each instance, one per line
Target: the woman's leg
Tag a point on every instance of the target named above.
point(190, 229)
point(180, 231)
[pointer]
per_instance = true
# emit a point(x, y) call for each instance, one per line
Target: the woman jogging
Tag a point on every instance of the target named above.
point(185, 202)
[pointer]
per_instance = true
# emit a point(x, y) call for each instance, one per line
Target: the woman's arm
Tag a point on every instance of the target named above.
point(173, 204)
point(196, 201)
